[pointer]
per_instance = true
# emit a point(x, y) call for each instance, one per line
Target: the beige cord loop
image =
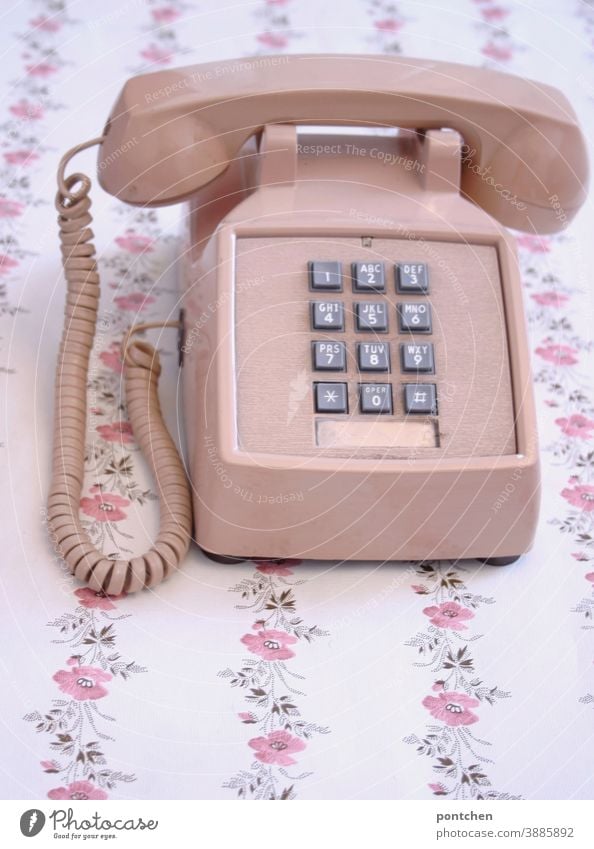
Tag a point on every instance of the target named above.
point(141, 373)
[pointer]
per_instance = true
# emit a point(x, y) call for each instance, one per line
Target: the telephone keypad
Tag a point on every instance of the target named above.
point(329, 356)
point(414, 317)
point(417, 357)
point(412, 278)
point(331, 397)
point(420, 398)
point(373, 356)
point(371, 315)
point(325, 276)
point(327, 315)
point(375, 397)
point(368, 277)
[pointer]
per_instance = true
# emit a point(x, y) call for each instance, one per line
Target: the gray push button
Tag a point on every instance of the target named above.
point(412, 278)
point(417, 358)
point(325, 275)
point(375, 397)
point(327, 315)
point(368, 277)
point(329, 356)
point(331, 397)
point(373, 356)
point(415, 317)
point(420, 398)
point(371, 315)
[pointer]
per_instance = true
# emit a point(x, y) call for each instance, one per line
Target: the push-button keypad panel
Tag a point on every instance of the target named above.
point(331, 331)
point(373, 317)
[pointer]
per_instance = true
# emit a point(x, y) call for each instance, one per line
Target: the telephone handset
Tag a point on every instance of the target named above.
point(355, 367)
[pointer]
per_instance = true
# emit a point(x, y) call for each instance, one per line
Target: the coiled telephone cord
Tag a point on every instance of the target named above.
point(141, 374)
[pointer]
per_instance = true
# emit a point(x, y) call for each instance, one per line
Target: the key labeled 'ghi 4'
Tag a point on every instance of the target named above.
point(327, 315)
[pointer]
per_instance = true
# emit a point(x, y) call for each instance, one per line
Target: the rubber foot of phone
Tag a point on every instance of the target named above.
point(221, 558)
point(500, 561)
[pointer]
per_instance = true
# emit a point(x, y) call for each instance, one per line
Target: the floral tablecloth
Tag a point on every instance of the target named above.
point(276, 680)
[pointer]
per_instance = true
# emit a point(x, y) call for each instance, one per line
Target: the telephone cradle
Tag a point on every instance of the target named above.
point(354, 359)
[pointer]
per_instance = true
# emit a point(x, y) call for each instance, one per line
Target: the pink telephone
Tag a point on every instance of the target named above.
point(355, 367)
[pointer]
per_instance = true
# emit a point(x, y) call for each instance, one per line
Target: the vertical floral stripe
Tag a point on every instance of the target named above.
point(78, 744)
point(32, 98)
point(459, 695)
point(271, 684)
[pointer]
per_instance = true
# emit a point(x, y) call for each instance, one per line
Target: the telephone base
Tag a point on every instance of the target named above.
point(500, 561)
point(221, 558)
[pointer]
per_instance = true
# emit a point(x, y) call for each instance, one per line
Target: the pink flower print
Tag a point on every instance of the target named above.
point(576, 425)
point(49, 766)
point(116, 432)
point(92, 600)
point(580, 496)
point(560, 355)
point(82, 682)
point(156, 55)
point(105, 507)
point(276, 748)
point(438, 789)
point(533, 243)
point(273, 39)
point(495, 51)
point(112, 358)
point(247, 717)
point(590, 577)
point(452, 708)
point(165, 15)
point(41, 69)
point(450, 614)
point(276, 567)
point(135, 243)
point(388, 25)
point(494, 13)
point(20, 157)
point(135, 302)
point(27, 111)
point(6, 263)
point(550, 299)
point(46, 24)
point(78, 790)
point(270, 645)
point(420, 589)
point(10, 208)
